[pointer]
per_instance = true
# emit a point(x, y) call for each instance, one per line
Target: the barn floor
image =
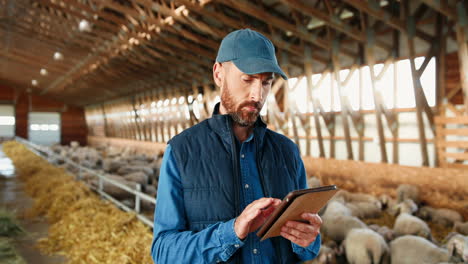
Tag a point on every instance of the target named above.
point(14, 199)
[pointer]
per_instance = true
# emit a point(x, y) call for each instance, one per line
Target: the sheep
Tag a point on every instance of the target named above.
point(457, 246)
point(337, 227)
point(137, 177)
point(387, 201)
point(356, 197)
point(461, 228)
point(129, 169)
point(407, 206)
point(336, 208)
point(406, 224)
point(413, 250)
point(327, 255)
point(313, 182)
point(365, 209)
point(408, 191)
point(387, 233)
point(442, 216)
point(365, 246)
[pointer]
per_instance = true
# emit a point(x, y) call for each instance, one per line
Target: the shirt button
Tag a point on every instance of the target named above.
point(236, 246)
point(246, 186)
point(255, 251)
point(242, 156)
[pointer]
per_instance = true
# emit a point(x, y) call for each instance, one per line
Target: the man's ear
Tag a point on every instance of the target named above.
point(218, 74)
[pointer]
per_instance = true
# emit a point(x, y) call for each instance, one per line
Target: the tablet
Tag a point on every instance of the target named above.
point(293, 206)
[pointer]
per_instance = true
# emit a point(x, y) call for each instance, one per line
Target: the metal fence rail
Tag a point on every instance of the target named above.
point(47, 153)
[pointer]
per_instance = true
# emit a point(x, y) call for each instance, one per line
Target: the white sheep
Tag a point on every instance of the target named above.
point(416, 250)
point(441, 216)
point(406, 224)
point(365, 246)
point(387, 201)
point(407, 206)
point(349, 197)
point(313, 182)
point(461, 228)
point(387, 233)
point(457, 246)
point(365, 209)
point(336, 208)
point(408, 191)
point(338, 226)
point(327, 255)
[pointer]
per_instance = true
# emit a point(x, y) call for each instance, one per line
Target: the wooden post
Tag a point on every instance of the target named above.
point(440, 74)
point(377, 99)
point(106, 128)
point(463, 60)
point(310, 86)
point(361, 135)
point(344, 108)
point(331, 126)
point(395, 130)
point(416, 86)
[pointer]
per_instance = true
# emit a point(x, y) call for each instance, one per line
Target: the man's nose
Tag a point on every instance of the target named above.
point(256, 91)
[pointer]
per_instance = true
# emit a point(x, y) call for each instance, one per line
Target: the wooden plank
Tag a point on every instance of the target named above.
point(452, 144)
point(456, 166)
point(459, 156)
point(451, 120)
point(455, 131)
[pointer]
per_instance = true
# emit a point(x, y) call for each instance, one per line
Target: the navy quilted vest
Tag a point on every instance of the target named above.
point(207, 162)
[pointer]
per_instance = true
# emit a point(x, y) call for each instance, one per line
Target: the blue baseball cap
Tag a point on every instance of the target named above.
point(250, 51)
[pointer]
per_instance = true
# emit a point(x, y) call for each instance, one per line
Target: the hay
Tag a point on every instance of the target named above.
point(9, 226)
point(84, 228)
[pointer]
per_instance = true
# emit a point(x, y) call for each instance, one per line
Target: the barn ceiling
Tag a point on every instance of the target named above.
point(115, 48)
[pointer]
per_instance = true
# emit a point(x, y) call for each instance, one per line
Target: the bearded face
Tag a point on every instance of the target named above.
point(243, 112)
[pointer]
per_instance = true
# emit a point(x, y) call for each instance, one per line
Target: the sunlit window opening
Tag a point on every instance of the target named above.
point(327, 93)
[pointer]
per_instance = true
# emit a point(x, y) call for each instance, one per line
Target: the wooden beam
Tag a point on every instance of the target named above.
point(333, 21)
point(381, 14)
point(417, 91)
point(260, 13)
point(462, 40)
point(344, 108)
point(370, 57)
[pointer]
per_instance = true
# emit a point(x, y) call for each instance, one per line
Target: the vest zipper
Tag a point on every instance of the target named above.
point(236, 177)
point(266, 191)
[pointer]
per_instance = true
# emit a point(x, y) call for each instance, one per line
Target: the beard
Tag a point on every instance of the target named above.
point(242, 116)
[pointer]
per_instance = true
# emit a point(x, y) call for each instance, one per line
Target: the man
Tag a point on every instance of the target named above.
point(222, 178)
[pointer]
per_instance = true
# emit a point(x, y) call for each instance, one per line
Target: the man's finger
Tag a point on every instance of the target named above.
point(303, 227)
point(314, 219)
point(262, 203)
point(294, 239)
point(295, 232)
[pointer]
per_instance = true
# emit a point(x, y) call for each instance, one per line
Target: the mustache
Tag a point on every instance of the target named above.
point(256, 105)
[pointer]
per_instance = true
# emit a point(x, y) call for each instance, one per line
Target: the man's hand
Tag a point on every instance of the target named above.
point(302, 234)
point(254, 215)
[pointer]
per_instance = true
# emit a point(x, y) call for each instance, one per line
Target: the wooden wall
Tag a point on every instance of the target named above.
point(73, 124)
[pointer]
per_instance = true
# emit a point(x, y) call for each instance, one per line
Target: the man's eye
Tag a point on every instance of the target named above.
point(267, 83)
point(247, 80)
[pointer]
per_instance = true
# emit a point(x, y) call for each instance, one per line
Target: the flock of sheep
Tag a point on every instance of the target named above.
point(123, 166)
point(347, 239)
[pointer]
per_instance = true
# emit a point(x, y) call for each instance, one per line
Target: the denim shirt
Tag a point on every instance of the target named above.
point(218, 242)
